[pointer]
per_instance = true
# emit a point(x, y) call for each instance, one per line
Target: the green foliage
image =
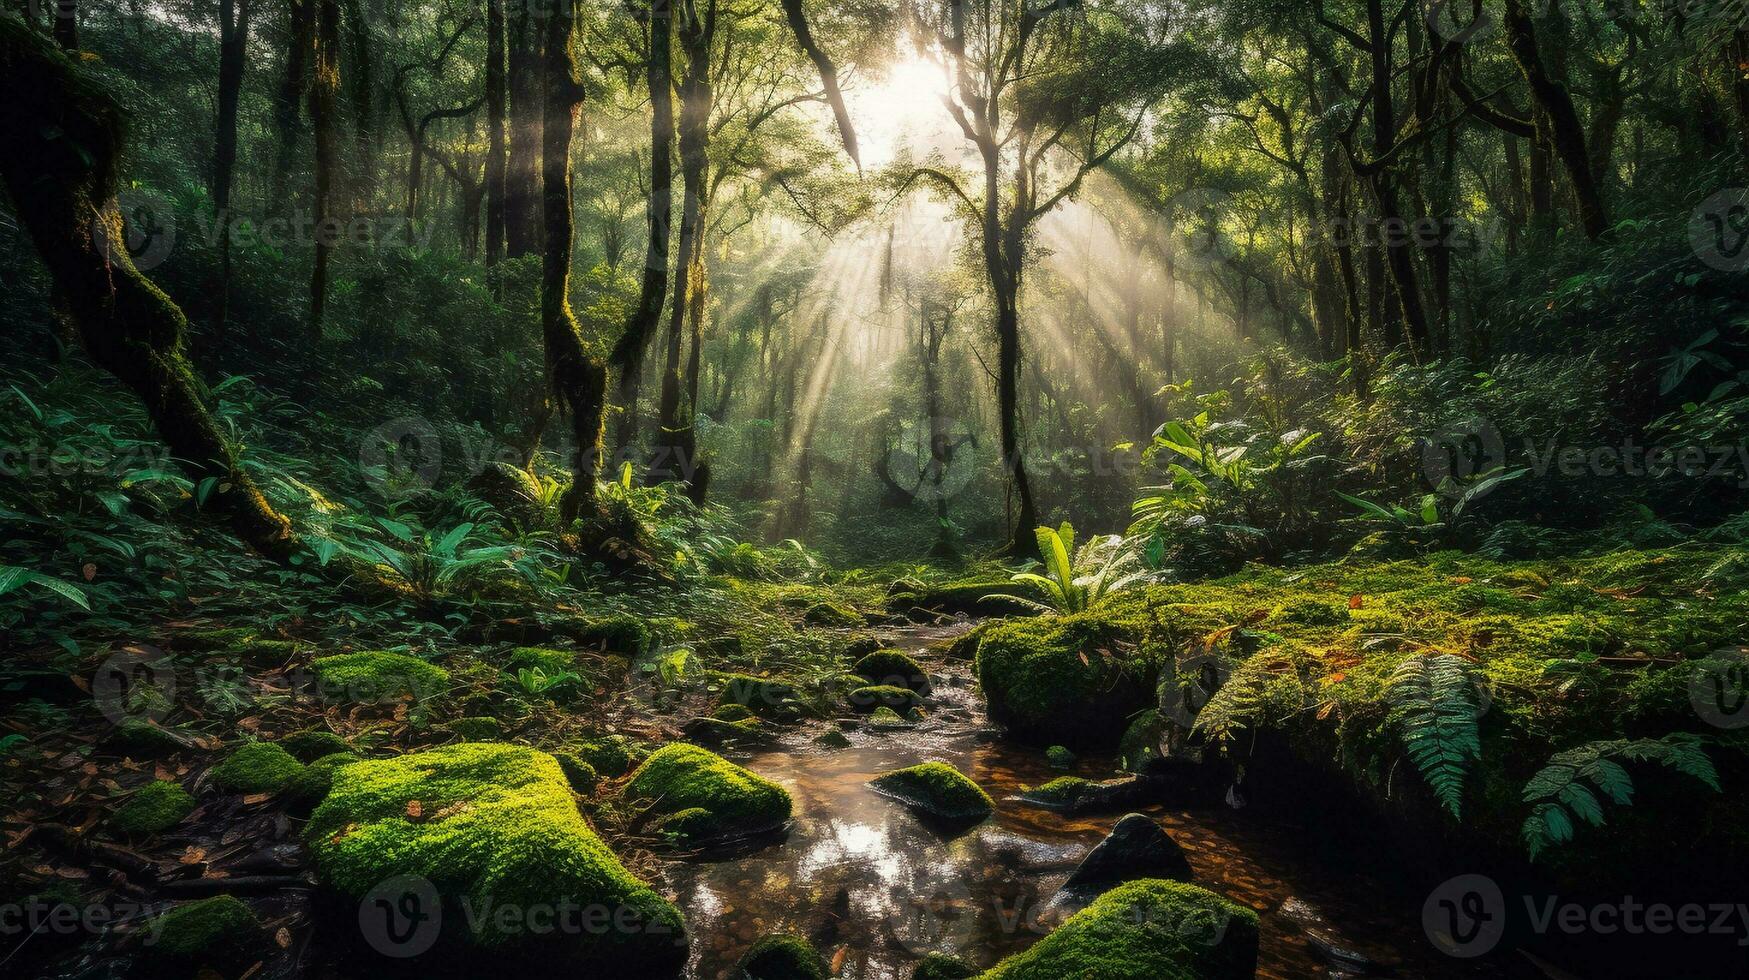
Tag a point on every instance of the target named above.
point(258, 767)
point(1566, 790)
point(218, 929)
point(155, 808)
point(1433, 702)
point(1102, 567)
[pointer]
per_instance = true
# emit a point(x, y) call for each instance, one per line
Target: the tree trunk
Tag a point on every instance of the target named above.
point(634, 343)
point(495, 150)
point(522, 193)
point(285, 104)
point(361, 88)
point(1565, 134)
point(233, 48)
point(322, 94)
point(66, 16)
point(1737, 59)
point(675, 440)
point(59, 164)
point(579, 376)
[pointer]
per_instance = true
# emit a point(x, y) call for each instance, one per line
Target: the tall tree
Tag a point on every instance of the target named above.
point(233, 49)
point(300, 27)
point(522, 193)
point(324, 89)
point(495, 148)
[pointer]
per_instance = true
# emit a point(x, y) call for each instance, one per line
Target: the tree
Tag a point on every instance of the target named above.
point(323, 92)
point(233, 49)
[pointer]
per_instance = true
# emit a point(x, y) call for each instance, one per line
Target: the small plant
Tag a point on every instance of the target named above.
point(1434, 707)
point(1103, 566)
point(1567, 788)
point(536, 682)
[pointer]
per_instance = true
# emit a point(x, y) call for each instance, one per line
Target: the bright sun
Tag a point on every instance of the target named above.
point(902, 106)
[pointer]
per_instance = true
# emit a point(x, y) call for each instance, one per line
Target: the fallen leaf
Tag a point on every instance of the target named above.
point(415, 809)
point(90, 571)
point(1356, 600)
point(254, 798)
point(193, 855)
point(283, 937)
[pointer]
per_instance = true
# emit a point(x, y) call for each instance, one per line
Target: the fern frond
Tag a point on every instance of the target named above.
point(1434, 707)
point(1558, 792)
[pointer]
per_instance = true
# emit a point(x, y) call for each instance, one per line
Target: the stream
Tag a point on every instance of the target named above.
point(876, 889)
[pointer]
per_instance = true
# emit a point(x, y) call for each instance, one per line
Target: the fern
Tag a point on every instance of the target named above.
point(1251, 696)
point(1567, 789)
point(1434, 707)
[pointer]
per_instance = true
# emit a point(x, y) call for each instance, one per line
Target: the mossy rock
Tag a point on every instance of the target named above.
point(496, 825)
point(580, 774)
point(219, 930)
point(833, 740)
point(616, 634)
point(862, 645)
point(1140, 746)
point(938, 967)
point(884, 718)
point(714, 732)
point(373, 676)
point(782, 958)
point(258, 767)
point(1072, 794)
point(833, 615)
point(737, 802)
point(1065, 681)
point(610, 756)
point(936, 789)
point(308, 746)
point(157, 807)
point(140, 739)
point(892, 668)
point(1144, 930)
point(309, 787)
point(482, 729)
point(768, 697)
point(977, 597)
point(866, 699)
point(732, 712)
point(1059, 757)
point(548, 661)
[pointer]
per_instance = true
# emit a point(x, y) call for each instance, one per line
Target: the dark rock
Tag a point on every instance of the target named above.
point(1322, 936)
point(1135, 848)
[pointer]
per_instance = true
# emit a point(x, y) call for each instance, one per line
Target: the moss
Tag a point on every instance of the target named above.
point(547, 661)
point(978, 597)
point(309, 745)
point(782, 958)
point(1060, 757)
point(936, 789)
point(737, 801)
point(1311, 611)
point(867, 699)
point(258, 767)
point(732, 712)
point(308, 788)
point(157, 807)
point(610, 756)
point(938, 967)
point(1064, 791)
point(1140, 744)
point(580, 774)
point(618, 634)
point(765, 696)
point(713, 732)
point(1067, 681)
point(885, 717)
point(833, 740)
point(832, 614)
point(496, 825)
point(475, 729)
point(892, 668)
point(372, 676)
point(220, 929)
point(1144, 930)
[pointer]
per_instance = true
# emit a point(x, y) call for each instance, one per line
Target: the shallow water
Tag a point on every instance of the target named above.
point(875, 889)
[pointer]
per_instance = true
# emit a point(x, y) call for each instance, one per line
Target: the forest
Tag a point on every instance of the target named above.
point(874, 489)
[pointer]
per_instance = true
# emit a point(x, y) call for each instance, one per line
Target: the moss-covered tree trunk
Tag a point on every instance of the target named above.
point(579, 372)
point(634, 344)
point(323, 91)
point(59, 164)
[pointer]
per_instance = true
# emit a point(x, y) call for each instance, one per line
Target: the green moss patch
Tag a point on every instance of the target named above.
point(936, 789)
point(157, 807)
point(1144, 930)
point(892, 668)
point(221, 929)
point(782, 958)
point(494, 824)
point(1069, 681)
point(314, 744)
point(548, 661)
point(938, 967)
point(866, 699)
point(141, 739)
point(737, 802)
point(732, 712)
point(832, 614)
point(978, 597)
point(374, 676)
point(884, 717)
point(479, 729)
point(765, 696)
point(610, 756)
point(580, 774)
point(258, 767)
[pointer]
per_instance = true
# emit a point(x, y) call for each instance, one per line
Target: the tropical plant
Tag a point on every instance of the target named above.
point(537, 682)
point(13, 578)
point(1105, 565)
point(1434, 706)
point(1567, 788)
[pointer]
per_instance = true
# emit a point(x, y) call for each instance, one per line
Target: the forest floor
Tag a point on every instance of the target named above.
point(1423, 699)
